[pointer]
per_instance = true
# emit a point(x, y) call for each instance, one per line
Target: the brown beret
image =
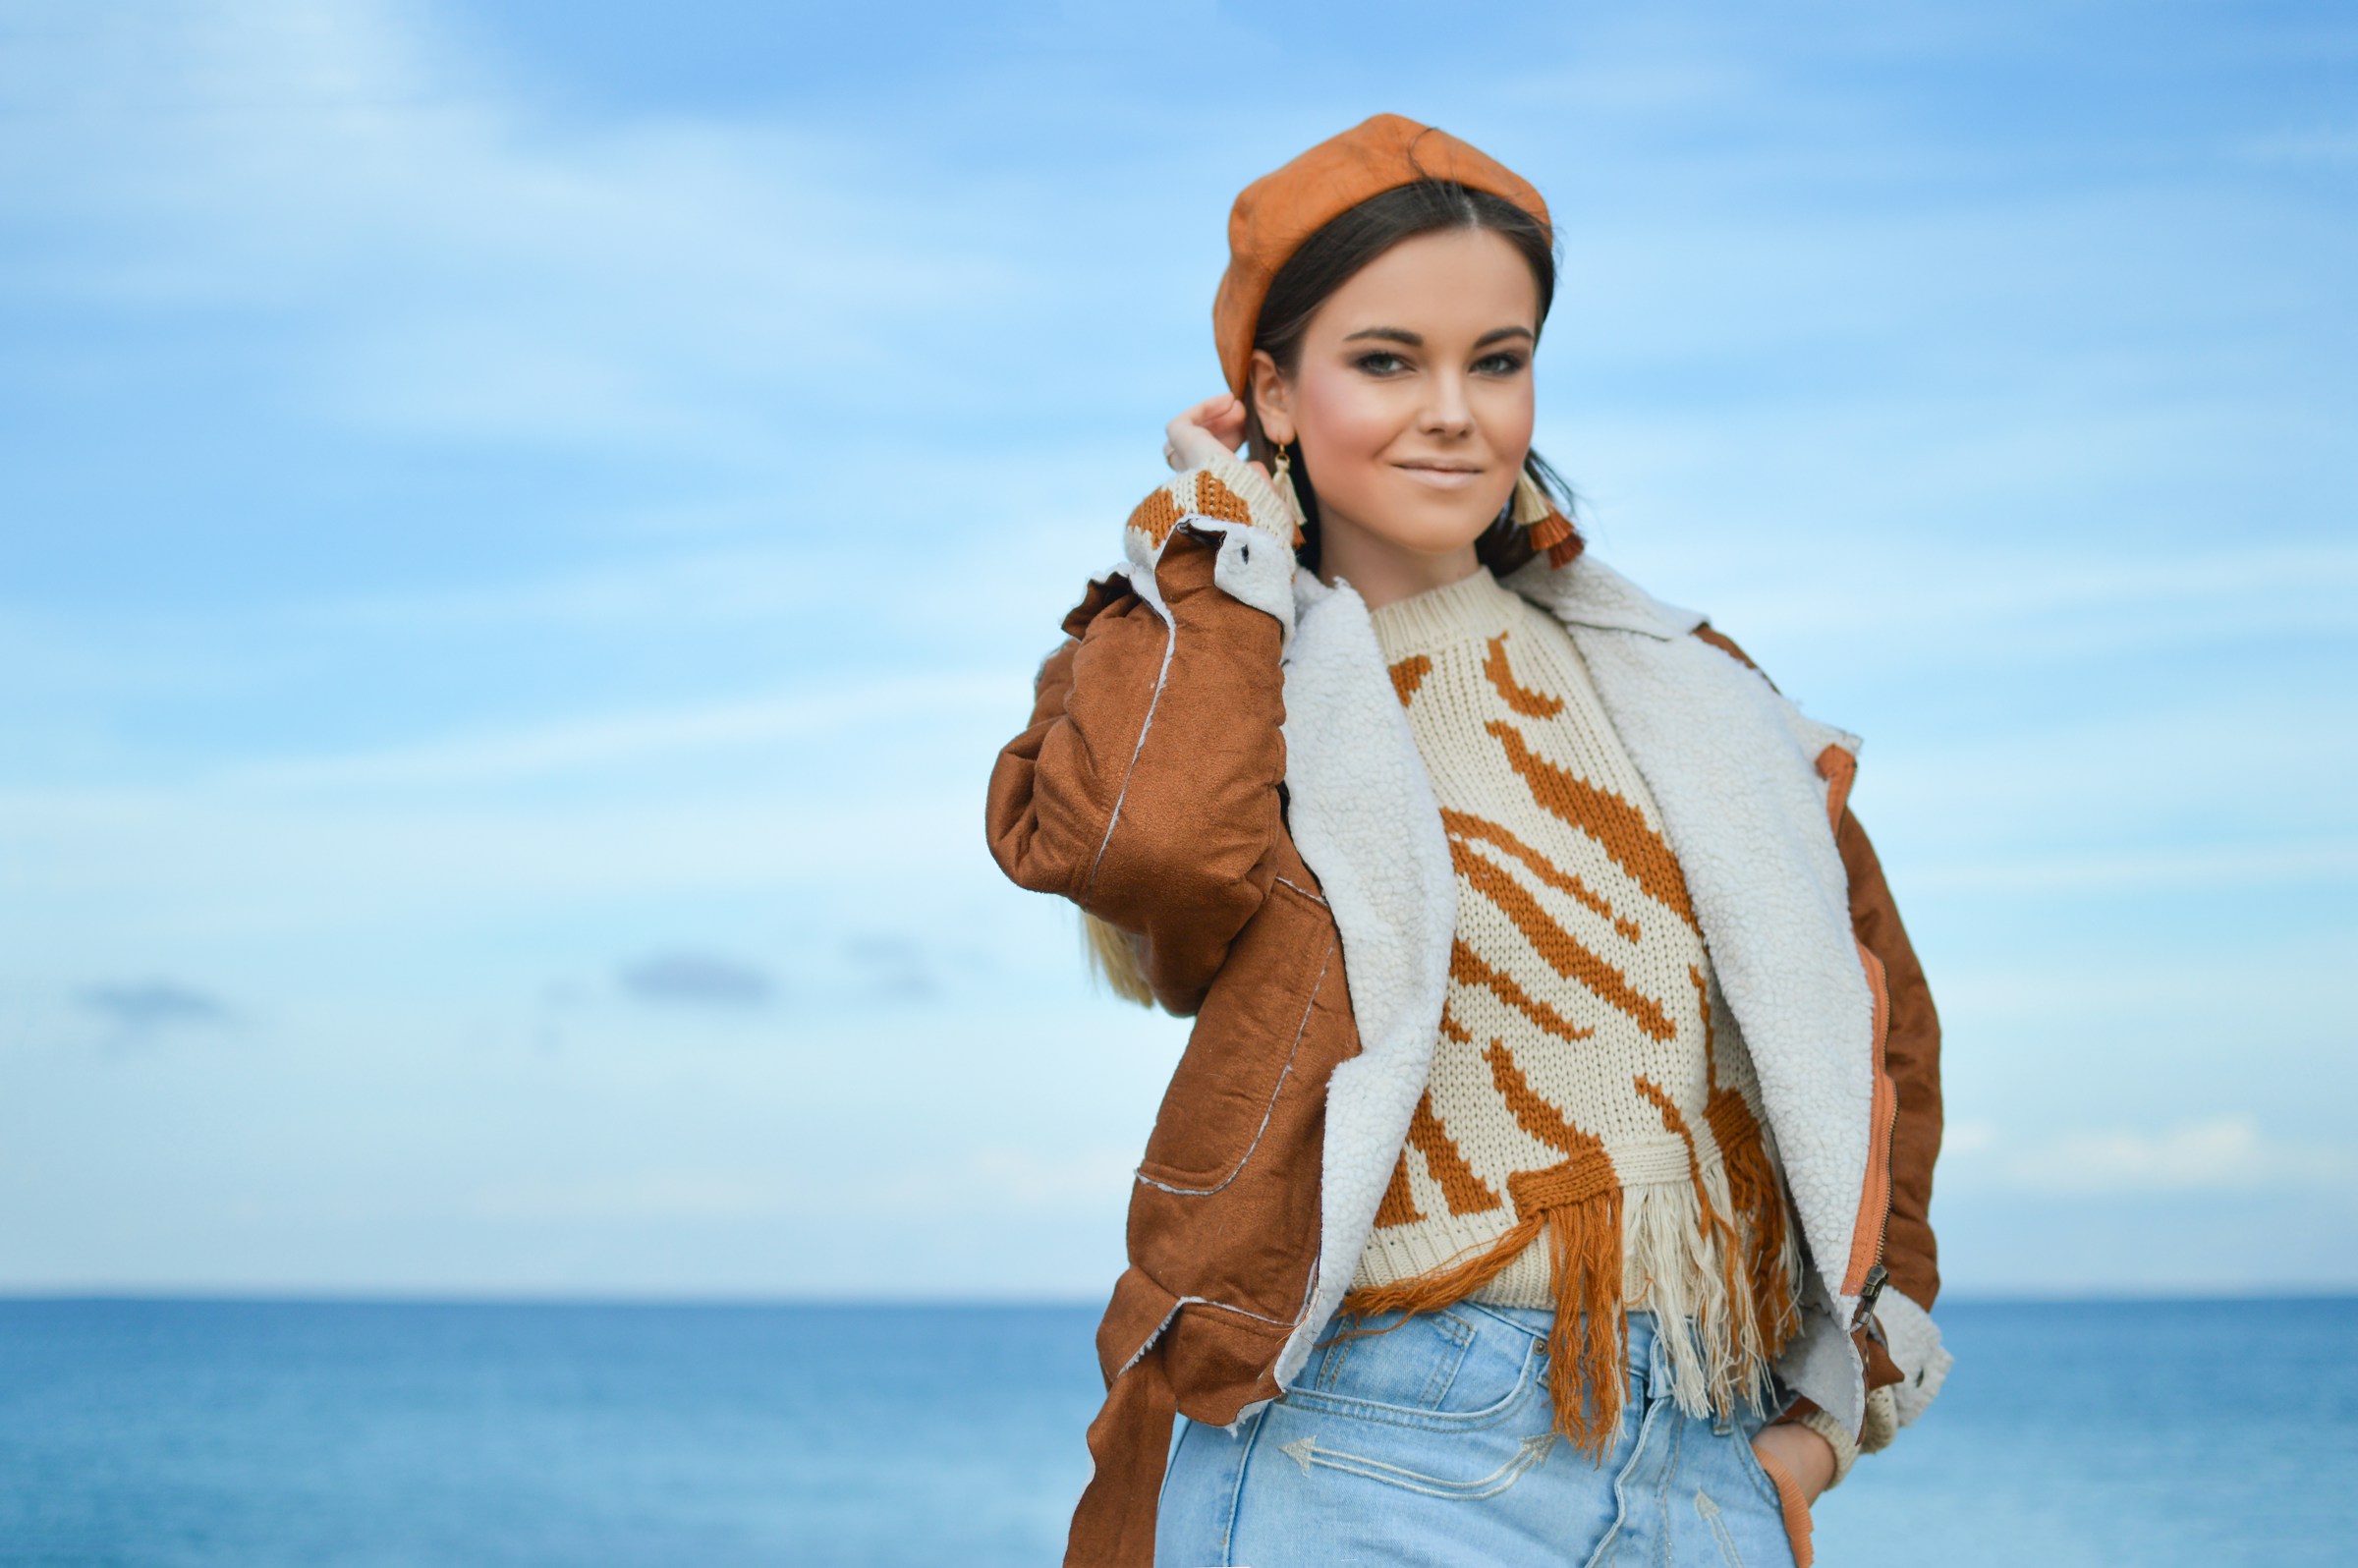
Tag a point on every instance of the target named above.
point(1276, 213)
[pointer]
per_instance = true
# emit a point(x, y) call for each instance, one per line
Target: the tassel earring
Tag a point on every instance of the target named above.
point(1550, 530)
point(1282, 479)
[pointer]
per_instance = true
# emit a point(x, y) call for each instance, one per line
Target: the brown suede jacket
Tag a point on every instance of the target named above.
point(1215, 764)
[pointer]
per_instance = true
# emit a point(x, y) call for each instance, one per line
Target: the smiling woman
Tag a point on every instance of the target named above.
point(1561, 1074)
point(1430, 287)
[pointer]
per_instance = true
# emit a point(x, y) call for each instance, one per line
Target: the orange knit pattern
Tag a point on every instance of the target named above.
point(1590, 1138)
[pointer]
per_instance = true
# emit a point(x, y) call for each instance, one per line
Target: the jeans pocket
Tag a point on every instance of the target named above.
point(1785, 1495)
point(1749, 1458)
point(1438, 1370)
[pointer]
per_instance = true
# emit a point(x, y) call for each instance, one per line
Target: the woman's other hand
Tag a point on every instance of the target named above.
point(1210, 428)
point(1807, 1457)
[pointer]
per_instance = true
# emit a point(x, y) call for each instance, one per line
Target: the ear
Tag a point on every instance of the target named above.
point(1272, 397)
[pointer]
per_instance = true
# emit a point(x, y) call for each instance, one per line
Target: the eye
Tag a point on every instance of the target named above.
point(1502, 363)
point(1379, 361)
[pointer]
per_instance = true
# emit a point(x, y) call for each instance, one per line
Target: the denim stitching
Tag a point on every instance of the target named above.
point(1662, 1490)
point(1608, 1547)
point(1460, 1336)
point(1710, 1510)
point(1236, 1494)
point(1750, 1462)
point(1530, 1453)
point(1375, 1411)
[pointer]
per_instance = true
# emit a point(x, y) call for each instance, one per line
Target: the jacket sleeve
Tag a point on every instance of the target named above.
point(1905, 1353)
point(1905, 1359)
point(1912, 1059)
point(1146, 786)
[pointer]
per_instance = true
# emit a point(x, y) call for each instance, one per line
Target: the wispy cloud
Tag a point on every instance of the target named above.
point(140, 1010)
point(893, 966)
point(590, 744)
point(2218, 1154)
point(2178, 869)
point(458, 254)
point(697, 979)
point(988, 1181)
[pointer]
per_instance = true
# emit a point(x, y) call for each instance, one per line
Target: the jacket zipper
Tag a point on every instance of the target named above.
point(1864, 1275)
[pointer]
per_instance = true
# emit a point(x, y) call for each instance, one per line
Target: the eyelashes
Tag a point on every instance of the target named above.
point(1383, 364)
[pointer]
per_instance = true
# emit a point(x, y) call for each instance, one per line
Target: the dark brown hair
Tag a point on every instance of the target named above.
point(1335, 254)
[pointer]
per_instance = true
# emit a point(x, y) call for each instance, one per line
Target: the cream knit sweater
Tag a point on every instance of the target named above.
point(1590, 1134)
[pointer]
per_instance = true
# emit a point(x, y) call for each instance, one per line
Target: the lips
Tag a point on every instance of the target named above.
point(1439, 477)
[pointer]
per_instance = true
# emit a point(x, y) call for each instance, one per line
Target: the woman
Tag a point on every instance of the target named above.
point(1546, 1177)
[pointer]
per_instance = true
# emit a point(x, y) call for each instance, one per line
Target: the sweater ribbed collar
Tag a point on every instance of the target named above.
point(1473, 609)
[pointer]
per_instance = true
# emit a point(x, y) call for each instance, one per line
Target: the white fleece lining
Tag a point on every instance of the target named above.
point(1733, 767)
point(1914, 1340)
point(1364, 816)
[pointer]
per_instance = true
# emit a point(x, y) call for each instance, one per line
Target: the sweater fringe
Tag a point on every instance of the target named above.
point(1714, 1250)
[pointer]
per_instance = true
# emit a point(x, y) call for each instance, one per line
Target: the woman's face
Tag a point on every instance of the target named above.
point(1412, 398)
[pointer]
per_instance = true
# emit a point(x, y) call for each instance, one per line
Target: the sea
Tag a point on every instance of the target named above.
point(259, 1433)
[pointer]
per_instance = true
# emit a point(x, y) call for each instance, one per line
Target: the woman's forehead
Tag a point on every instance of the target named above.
point(1450, 284)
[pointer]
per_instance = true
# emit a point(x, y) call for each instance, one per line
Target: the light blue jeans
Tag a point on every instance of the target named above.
point(1432, 1444)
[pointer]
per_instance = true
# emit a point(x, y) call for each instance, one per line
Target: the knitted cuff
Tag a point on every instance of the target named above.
point(1223, 488)
point(1883, 1418)
point(1844, 1445)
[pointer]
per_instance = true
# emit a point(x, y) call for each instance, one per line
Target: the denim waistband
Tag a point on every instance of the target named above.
point(1536, 1321)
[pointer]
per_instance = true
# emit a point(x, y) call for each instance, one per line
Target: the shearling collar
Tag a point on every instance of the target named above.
point(1585, 592)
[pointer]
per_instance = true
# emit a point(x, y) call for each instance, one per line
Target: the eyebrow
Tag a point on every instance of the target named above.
point(1415, 340)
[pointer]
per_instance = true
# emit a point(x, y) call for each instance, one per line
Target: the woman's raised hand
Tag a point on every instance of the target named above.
point(1210, 428)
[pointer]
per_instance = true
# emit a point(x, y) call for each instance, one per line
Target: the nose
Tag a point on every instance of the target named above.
point(1447, 412)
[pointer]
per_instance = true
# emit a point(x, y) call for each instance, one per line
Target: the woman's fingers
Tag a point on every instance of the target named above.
point(1207, 429)
point(1226, 419)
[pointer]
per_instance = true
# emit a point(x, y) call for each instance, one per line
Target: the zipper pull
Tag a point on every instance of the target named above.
point(1868, 1294)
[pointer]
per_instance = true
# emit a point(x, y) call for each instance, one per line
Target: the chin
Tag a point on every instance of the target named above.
point(1437, 533)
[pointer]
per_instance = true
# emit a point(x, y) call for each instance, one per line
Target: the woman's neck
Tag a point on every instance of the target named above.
point(1382, 570)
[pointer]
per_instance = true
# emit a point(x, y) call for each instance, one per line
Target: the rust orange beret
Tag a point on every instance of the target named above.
point(1276, 213)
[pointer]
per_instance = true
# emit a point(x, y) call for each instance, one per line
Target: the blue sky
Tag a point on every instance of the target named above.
point(523, 527)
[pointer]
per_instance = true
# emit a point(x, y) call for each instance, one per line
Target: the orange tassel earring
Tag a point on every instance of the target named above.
point(1550, 531)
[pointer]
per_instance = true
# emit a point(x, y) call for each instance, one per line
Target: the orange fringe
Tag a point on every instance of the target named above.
point(1578, 1206)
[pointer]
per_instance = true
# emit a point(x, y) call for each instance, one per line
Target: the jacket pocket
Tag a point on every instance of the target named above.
point(1245, 1042)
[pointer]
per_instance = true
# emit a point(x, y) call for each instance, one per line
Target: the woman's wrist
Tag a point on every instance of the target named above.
point(1219, 485)
point(1828, 1459)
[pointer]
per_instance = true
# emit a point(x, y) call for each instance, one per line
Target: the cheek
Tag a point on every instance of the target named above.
point(1349, 421)
point(1508, 416)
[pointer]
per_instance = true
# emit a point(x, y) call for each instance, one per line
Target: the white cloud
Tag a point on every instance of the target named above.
point(984, 1181)
point(467, 268)
point(661, 1195)
point(585, 746)
point(2329, 860)
point(2218, 1154)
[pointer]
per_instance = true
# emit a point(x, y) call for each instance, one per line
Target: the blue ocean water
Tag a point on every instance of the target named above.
point(235, 1434)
